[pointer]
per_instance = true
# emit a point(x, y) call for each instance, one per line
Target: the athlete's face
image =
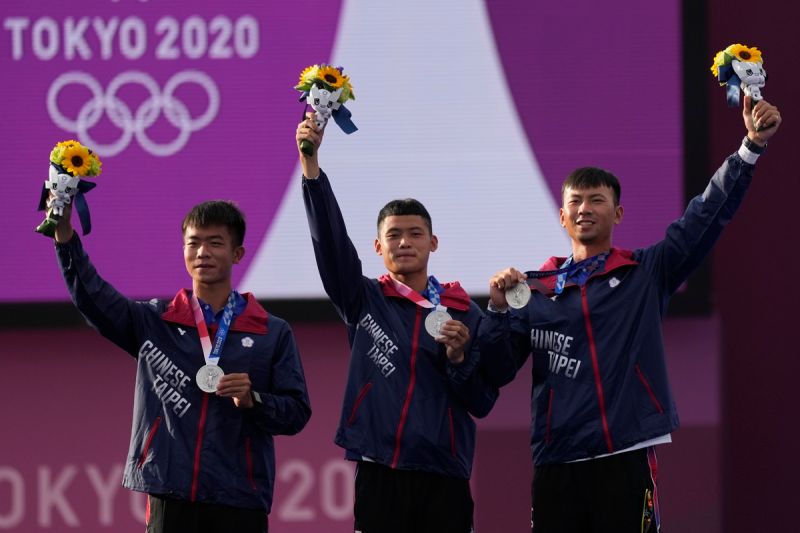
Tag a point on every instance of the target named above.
point(405, 242)
point(589, 215)
point(210, 254)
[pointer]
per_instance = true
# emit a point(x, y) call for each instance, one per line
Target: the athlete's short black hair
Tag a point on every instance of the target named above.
point(405, 206)
point(217, 213)
point(590, 177)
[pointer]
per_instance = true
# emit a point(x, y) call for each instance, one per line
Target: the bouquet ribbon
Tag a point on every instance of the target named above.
point(732, 83)
point(342, 118)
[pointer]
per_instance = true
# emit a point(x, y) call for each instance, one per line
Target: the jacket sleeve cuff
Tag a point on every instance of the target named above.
point(307, 179)
point(750, 151)
point(460, 372)
point(492, 309)
point(66, 250)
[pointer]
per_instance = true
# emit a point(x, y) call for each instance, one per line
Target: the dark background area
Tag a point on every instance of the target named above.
point(754, 290)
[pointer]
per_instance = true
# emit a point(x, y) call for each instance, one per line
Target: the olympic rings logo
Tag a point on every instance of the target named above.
point(134, 123)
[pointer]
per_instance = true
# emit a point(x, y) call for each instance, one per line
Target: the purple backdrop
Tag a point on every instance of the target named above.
point(246, 153)
point(592, 86)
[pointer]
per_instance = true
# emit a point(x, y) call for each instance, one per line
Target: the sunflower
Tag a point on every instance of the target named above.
point(307, 77)
point(58, 151)
point(332, 76)
point(745, 54)
point(76, 159)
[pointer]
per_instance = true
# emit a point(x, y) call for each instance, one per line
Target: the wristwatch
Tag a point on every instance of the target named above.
point(753, 147)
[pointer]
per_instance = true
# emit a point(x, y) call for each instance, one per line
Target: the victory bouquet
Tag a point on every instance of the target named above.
point(69, 162)
point(740, 67)
point(326, 89)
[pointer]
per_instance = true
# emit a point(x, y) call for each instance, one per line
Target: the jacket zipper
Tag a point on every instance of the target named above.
point(409, 391)
point(249, 458)
point(148, 442)
point(549, 414)
point(201, 425)
point(364, 390)
point(649, 389)
point(598, 383)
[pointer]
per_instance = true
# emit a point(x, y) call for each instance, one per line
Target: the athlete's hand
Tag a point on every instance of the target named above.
point(64, 229)
point(454, 335)
point(505, 279)
point(762, 123)
point(236, 386)
point(308, 131)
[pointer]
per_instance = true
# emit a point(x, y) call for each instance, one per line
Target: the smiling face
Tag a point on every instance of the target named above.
point(405, 242)
point(589, 216)
point(209, 254)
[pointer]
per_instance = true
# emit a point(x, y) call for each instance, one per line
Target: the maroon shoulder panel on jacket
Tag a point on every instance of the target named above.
point(252, 320)
point(454, 295)
point(617, 258)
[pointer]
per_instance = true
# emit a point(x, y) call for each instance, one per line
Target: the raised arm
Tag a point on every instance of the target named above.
point(103, 307)
point(337, 259)
point(689, 239)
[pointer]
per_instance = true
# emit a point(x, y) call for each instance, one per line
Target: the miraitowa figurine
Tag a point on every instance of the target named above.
point(324, 103)
point(325, 89)
point(69, 162)
point(740, 67)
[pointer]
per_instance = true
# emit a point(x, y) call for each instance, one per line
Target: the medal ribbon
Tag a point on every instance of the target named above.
point(433, 291)
point(212, 355)
point(578, 272)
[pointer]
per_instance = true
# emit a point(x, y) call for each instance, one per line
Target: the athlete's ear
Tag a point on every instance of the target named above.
point(238, 254)
point(618, 214)
point(434, 243)
point(378, 249)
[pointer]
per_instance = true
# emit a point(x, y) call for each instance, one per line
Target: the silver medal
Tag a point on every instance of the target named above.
point(434, 322)
point(208, 377)
point(518, 295)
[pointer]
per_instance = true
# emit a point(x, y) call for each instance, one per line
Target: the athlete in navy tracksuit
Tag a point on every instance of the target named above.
point(601, 400)
point(207, 460)
point(410, 398)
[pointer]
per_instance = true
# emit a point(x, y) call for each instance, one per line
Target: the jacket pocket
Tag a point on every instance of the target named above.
point(648, 388)
point(148, 442)
point(363, 392)
point(248, 458)
point(547, 434)
point(452, 431)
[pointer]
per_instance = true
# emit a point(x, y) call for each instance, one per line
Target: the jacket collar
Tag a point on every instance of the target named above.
point(252, 320)
point(453, 296)
point(617, 258)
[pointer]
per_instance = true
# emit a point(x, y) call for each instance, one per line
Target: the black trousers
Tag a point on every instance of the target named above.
point(614, 494)
point(407, 501)
point(167, 515)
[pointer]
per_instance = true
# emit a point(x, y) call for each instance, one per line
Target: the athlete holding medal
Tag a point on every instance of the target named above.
point(217, 377)
point(415, 381)
point(601, 401)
